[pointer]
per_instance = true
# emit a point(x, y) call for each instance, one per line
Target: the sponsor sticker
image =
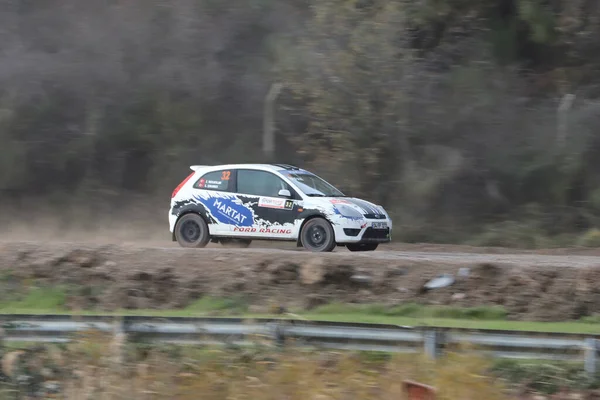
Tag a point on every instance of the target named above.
point(339, 201)
point(228, 211)
point(213, 184)
point(273, 231)
point(270, 202)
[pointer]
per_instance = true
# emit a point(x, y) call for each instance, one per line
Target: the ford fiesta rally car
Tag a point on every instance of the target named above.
point(244, 202)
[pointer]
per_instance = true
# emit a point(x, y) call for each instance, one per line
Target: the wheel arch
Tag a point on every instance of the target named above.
point(313, 215)
point(186, 212)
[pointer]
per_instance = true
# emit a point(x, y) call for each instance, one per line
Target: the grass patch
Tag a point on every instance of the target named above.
point(575, 327)
point(544, 376)
point(413, 310)
point(45, 298)
point(592, 319)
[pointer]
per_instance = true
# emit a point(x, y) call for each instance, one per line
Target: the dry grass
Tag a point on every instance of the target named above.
point(90, 368)
point(289, 376)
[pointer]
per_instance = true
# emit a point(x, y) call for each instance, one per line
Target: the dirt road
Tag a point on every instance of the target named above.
point(550, 285)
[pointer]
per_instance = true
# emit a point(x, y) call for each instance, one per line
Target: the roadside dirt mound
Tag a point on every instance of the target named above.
point(109, 277)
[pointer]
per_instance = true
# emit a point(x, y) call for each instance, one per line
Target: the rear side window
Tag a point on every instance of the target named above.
point(216, 180)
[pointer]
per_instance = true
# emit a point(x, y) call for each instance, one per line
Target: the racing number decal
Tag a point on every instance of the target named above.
point(225, 175)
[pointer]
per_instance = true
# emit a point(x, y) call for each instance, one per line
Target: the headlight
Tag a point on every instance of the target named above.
point(382, 210)
point(349, 212)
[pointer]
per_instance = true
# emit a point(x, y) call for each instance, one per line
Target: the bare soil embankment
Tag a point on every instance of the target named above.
point(108, 277)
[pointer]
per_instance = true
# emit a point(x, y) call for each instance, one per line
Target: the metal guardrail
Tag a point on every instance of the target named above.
point(332, 335)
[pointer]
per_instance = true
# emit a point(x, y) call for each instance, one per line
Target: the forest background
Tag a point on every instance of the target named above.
point(471, 121)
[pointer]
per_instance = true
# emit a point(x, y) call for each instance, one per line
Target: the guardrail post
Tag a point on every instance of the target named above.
point(277, 333)
point(591, 356)
point(118, 341)
point(432, 341)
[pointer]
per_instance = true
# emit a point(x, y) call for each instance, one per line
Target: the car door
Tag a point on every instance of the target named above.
point(274, 216)
point(215, 191)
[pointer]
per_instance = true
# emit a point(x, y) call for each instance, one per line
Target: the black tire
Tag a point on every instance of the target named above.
point(362, 246)
point(317, 235)
point(191, 231)
point(235, 242)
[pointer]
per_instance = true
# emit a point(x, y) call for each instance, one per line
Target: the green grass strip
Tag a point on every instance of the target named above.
point(551, 327)
point(52, 301)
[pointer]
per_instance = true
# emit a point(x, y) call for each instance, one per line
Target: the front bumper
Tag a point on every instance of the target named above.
point(366, 231)
point(373, 235)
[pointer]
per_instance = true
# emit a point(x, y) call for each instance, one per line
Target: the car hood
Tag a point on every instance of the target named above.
point(362, 206)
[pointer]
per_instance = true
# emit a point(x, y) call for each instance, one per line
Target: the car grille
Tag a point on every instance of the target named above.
point(374, 216)
point(351, 232)
point(371, 233)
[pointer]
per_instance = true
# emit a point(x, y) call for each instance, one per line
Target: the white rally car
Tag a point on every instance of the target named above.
point(244, 202)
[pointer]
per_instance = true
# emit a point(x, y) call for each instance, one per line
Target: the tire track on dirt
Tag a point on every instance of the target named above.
point(505, 257)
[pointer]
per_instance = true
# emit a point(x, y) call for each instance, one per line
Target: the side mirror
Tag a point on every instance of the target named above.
point(284, 193)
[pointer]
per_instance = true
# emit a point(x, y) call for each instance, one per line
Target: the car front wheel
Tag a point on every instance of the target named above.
point(191, 231)
point(361, 246)
point(317, 235)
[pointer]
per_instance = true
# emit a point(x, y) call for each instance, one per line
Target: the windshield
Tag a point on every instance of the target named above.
point(312, 185)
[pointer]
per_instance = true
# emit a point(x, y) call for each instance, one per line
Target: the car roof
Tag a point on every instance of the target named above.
point(269, 167)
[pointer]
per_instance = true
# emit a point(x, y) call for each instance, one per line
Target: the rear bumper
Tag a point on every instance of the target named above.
point(172, 221)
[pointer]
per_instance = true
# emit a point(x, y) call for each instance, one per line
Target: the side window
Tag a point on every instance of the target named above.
point(260, 183)
point(216, 180)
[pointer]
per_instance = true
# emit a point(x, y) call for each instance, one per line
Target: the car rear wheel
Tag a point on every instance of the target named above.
point(237, 243)
point(191, 231)
point(361, 246)
point(317, 235)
